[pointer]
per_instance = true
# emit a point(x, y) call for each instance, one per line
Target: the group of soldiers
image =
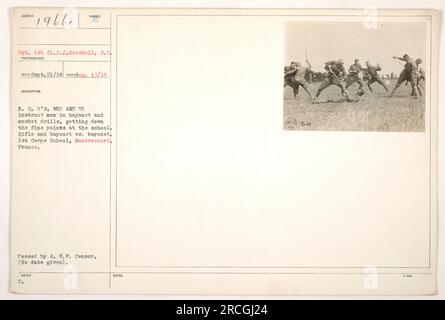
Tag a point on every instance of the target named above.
point(296, 74)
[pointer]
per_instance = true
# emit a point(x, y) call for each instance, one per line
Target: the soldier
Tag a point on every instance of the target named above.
point(408, 74)
point(336, 73)
point(416, 75)
point(300, 76)
point(420, 75)
point(354, 77)
point(295, 77)
point(289, 77)
point(373, 75)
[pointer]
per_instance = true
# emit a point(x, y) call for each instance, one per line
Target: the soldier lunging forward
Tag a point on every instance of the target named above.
point(372, 72)
point(336, 73)
point(294, 77)
point(289, 77)
point(409, 73)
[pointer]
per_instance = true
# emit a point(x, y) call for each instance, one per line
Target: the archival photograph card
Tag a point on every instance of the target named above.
point(157, 151)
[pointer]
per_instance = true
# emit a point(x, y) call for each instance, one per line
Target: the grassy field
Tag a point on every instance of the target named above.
point(374, 111)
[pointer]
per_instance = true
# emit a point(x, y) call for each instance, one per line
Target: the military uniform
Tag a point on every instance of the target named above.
point(353, 76)
point(336, 72)
point(300, 78)
point(289, 75)
point(420, 76)
point(409, 74)
point(289, 79)
point(296, 77)
point(409, 71)
point(372, 71)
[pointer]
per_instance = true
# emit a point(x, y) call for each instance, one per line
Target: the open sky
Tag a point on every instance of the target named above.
point(324, 41)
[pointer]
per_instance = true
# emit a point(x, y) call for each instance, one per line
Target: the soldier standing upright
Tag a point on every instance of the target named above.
point(336, 73)
point(420, 75)
point(409, 73)
point(353, 76)
point(373, 75)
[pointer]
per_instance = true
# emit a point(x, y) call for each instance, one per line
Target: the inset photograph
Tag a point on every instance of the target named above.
point(349, 76)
